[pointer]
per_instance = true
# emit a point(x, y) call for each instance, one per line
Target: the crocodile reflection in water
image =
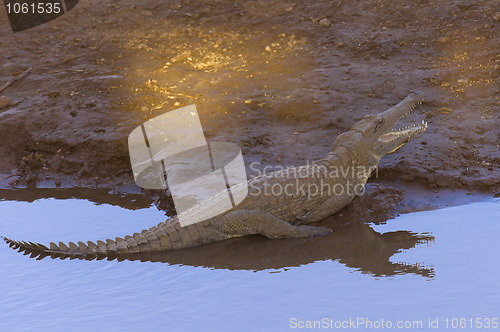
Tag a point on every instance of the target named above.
point(356, 245)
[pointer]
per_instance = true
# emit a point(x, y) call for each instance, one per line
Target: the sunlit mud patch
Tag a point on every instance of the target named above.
point(237, 73)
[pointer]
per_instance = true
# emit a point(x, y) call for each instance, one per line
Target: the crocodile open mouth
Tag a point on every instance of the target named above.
point(409, 132)
point(400, 136)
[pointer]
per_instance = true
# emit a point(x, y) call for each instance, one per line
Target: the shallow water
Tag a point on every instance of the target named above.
point(387, 272)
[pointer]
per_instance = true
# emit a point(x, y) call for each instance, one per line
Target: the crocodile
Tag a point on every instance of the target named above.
point(279, 204)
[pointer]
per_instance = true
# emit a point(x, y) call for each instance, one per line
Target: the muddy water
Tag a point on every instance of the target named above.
point(441, 264)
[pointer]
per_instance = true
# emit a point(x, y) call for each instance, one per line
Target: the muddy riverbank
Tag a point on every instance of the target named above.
point(279, 78)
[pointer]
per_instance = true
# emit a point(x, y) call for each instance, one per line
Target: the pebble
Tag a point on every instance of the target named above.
point(248, 101)
point(325, 22)
point(445, 110)
point(4, 102)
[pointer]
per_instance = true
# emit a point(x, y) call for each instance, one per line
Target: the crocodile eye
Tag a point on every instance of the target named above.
point(379, 124)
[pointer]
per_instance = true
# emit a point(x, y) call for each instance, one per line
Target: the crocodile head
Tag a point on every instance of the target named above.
point(375, 134)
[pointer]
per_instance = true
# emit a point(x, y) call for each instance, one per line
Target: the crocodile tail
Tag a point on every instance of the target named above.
point(164, 236)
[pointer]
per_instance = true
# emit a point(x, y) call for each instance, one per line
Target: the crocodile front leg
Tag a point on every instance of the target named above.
point(247, 222)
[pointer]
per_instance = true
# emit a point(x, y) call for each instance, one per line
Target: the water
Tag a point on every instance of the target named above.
point(393, 272)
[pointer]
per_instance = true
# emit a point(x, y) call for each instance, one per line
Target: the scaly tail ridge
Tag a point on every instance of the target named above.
point(164, 236)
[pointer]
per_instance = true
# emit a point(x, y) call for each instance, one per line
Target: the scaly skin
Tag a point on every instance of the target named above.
point(281, 204)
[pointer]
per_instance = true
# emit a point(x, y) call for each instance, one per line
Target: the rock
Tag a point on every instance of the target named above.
point(325, 22)
point(248, 101)
point(54, 94)
point(268, 49)
point(146, 13)
point(4, 102)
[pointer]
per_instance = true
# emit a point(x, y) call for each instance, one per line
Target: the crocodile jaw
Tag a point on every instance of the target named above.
point(390, 139)
point(396, 139)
